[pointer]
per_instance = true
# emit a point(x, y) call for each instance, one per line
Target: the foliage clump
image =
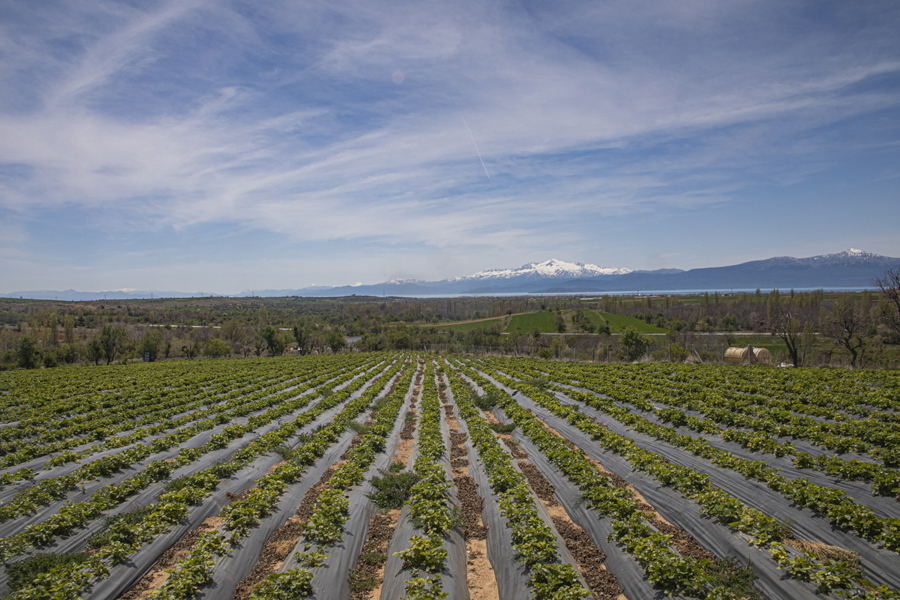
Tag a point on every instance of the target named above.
point(498, 428)
point(489, 400)
point(393, 488)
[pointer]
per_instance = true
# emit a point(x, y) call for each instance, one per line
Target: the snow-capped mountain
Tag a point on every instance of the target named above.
point(851, 252)
point(853, 268)
point(847, 257)
point(552, 268)
point(852, 258)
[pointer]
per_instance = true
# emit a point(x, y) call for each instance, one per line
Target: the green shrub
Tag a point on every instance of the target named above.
point(373, 558)
point(392, 489)
point(361, 581)
point(285, 451)
point(358, 427)
point(726, 574)
point(490, 399)
point(215, 348)
point(538, 382)
point(498, 428)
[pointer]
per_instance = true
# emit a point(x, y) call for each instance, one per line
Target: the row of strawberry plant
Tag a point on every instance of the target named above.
point(325, 526)
point(833, 504)
point(885, 480)
point(533, 539)
point(51, 488)
point(665, 568)
point(74, 516)
point(250, 398)
point(861, 393)
point(195, 571)
point(817, 392)
point(783, 419)
point(236, 404)
point(135, 403)
point(198, 410)
point(106, 427)
point(830, 576)
point(173, 404)
point(74, 390)
point(36, 396)
point(40, 395)
point(429, 502)
point(170, 508)
point(777, 416)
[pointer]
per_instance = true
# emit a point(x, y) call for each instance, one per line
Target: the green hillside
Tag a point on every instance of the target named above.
point(464, 327)
point(617, 323)
point(544, 320)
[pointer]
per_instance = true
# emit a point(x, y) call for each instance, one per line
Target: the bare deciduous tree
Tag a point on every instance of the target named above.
point(848, 327)
point(889, 284)
point(791, 323)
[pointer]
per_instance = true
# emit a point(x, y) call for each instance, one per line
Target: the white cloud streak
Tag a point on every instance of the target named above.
point(289, 121)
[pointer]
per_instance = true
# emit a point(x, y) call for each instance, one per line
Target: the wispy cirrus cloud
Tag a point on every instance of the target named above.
point(287, 120)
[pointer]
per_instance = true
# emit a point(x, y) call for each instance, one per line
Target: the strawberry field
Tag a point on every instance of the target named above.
point(391, 475)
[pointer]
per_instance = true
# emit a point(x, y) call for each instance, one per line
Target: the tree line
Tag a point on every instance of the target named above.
point(863, 327)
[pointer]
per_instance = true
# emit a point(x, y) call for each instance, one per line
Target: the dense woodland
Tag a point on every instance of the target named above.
point(809, 328)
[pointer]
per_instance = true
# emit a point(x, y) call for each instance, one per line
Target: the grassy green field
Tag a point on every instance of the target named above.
point(544, 320)
point(617, 323)
point(463, 327)
point(772, 344)
point(596, 319)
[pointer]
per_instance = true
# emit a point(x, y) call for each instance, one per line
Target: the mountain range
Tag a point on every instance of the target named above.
point(851, 269)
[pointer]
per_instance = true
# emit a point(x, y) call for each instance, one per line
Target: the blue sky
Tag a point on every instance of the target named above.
point(224, 146)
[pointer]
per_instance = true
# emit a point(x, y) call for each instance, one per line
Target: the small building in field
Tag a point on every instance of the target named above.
point(747, 356)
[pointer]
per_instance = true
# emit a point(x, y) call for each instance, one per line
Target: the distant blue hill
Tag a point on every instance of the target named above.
point(851, 269)
point(73, 296)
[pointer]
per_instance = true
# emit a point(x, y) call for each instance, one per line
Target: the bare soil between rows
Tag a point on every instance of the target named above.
point(281, 543)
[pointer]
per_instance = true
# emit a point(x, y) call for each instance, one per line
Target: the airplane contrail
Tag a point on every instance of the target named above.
point(471, 137)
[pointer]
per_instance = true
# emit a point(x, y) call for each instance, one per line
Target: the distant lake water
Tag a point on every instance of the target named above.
point(729, 292)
